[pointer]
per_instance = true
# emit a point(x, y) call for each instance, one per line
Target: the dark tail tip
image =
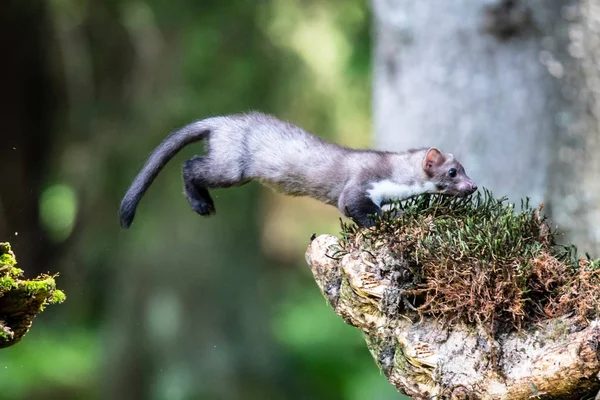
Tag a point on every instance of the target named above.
point(126, 213)
point(126, 221)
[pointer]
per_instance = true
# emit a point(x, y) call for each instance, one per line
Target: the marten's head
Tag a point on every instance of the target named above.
point(447, 174)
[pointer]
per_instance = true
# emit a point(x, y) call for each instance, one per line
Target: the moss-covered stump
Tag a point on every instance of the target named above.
point(467, 299)
point(20, 299)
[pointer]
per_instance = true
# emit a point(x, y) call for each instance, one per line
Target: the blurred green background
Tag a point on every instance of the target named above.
point(178, 306)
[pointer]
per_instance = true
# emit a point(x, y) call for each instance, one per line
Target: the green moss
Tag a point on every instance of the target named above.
point(7, 260)
point(41, 286)
point(400, 362)
point(4, 336)
point(58, 296)
point(479, 226)
point(480, 260)
point(22, 299)
point(7, 283)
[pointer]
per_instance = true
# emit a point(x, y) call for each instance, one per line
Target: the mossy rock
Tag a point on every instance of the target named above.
point(21, 299)
point(477, 260)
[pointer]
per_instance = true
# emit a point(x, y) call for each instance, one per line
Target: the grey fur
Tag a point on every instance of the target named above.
point(255, 146)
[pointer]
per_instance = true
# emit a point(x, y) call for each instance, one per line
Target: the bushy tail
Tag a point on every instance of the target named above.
point(155, 163)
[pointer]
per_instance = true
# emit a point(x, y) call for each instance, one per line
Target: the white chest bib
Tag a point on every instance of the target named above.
point(386, 190)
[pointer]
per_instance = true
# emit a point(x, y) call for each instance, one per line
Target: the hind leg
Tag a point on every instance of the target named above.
point(196, 185)
point(199, 199)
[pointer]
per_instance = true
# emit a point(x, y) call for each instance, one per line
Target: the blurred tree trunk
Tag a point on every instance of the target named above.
point(509, 86)
point(29, 103)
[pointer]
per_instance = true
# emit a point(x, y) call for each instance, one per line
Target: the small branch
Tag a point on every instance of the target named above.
point(21, 300)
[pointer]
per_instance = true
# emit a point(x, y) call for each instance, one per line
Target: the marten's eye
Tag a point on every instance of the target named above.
point(452, 172)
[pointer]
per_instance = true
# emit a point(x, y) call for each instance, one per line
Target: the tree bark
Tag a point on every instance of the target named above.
point(558, 359)
point(509, 86)
point(574, 191)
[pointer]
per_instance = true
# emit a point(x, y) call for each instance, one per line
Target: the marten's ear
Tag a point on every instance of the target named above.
point(434, 158)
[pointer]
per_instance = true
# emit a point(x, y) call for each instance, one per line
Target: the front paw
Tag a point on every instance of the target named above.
point(365, 221)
